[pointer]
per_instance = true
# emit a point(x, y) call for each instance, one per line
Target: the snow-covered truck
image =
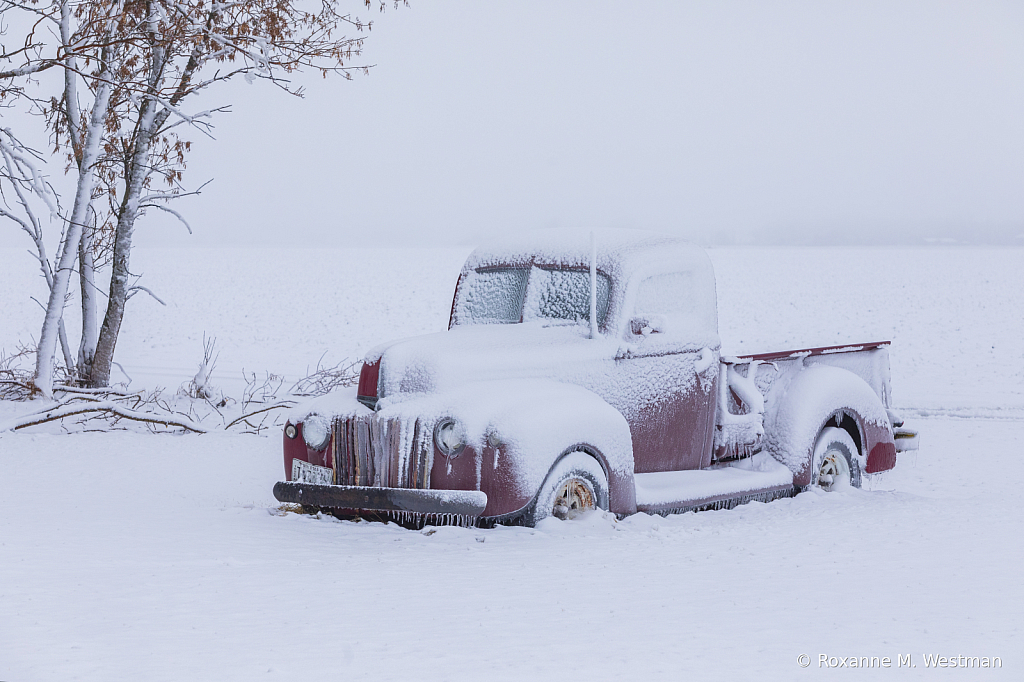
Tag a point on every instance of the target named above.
point(585, 372)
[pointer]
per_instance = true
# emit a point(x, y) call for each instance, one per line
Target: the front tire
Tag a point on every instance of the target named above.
point(576, 484)
point(835, 464)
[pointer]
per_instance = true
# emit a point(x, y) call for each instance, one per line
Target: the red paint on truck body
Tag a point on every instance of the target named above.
point(671, 432)
point(296, 448)
point(881, 458)
point(368, 377)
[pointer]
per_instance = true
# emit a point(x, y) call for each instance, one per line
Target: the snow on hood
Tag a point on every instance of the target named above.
point(528, 428)
point(444, 361)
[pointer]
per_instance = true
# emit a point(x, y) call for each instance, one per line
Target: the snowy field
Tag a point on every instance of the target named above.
point(127, 556)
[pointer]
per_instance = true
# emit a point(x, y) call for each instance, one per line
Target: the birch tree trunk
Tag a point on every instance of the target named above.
point(152, 115)
point(90, 305)
point(103, 357)
point(43, 379)
point(150, 118)
point(86, 267)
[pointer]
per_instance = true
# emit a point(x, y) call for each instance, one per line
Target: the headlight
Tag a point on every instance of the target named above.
point(450, 437)
point(290, 430)
point(316, 430)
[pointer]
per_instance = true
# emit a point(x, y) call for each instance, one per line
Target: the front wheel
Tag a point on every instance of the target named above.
point(576, 484)
point(835, 464)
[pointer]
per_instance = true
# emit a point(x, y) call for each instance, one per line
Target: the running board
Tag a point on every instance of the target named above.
point(758, 478)
point(722, 502)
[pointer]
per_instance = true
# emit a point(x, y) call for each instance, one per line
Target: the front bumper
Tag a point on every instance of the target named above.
point(366, 498)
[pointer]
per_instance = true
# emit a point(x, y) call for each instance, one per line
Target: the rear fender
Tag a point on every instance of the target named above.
point(800, 405)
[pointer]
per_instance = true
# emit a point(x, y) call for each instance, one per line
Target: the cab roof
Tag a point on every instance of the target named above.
point(619, 251)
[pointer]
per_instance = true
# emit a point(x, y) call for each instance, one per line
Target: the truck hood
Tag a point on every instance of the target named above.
point(448, 360)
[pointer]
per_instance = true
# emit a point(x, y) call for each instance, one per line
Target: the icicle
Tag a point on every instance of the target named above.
point(479, 466)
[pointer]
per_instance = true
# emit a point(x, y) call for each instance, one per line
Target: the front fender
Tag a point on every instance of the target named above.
point(800, 406)
point(516, 431)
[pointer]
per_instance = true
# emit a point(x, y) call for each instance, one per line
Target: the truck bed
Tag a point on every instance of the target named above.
point(869, 361)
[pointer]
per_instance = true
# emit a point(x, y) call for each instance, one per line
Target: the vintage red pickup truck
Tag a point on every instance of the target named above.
point(584, 371)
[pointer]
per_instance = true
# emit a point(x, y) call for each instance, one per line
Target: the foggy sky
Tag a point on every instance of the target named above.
point(725, 122)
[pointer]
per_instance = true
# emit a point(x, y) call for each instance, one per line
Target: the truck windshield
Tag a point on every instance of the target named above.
point(509, 295)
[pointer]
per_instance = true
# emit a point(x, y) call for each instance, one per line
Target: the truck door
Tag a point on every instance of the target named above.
point(670, 358)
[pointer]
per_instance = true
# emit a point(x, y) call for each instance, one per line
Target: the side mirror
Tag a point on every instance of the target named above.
point(641, 326)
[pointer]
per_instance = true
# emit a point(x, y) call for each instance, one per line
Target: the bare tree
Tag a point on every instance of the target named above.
point(130, 68)
point(25, 191)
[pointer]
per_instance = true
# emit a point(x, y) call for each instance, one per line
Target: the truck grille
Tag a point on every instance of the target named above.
point(389, 453)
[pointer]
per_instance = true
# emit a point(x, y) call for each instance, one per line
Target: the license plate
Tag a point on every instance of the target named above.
point(304, 472)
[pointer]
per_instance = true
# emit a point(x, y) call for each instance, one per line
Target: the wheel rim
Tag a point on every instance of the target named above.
point(834, 472)
point(573, 498)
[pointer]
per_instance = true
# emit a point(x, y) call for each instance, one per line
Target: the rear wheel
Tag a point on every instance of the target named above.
point(835, 464)
point(576, 484)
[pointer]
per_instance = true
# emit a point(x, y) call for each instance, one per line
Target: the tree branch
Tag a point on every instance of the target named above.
point(244, 417)
point(107, 407)
point(139, 287)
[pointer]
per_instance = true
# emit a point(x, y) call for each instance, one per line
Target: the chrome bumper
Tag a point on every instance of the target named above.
point(412, 500)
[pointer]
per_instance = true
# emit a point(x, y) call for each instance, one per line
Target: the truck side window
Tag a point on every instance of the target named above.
point(668, 303)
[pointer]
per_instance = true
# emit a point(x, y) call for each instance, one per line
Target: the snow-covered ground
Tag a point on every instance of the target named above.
point(127, 556)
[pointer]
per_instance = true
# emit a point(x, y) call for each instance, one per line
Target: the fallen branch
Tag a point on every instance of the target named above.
point(83, 407)
point(93, 391)
point(107, 407)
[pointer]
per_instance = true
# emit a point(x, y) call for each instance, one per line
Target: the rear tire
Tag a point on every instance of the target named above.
point(835, 464)
point(576, 484)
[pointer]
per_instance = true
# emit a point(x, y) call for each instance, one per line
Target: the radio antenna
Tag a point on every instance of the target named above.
point(593, 285)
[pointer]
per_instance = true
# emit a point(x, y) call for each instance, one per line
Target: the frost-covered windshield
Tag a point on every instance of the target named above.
point(493, 296)
point(564, 295)
point(509, 295)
